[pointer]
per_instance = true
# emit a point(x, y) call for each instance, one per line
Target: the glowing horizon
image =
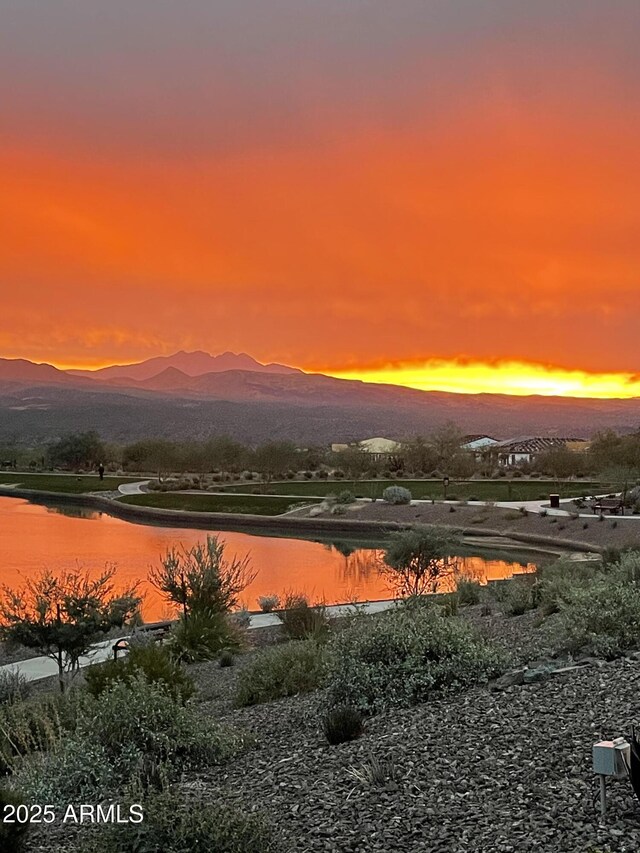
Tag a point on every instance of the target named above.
point(510, 377)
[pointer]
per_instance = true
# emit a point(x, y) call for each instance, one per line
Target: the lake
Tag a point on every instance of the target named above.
point(34, 537)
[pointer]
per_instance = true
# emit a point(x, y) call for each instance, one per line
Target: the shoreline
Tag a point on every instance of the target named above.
point(286, 525)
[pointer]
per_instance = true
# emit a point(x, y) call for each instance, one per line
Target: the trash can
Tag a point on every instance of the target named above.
point(554, 501)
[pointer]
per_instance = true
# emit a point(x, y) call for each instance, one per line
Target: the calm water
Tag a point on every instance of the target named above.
point(33, 537)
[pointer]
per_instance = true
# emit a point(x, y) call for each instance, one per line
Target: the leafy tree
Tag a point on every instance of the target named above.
point(77, 450)
point(226, 454)
point(62, 616)
point(153, 454)
point(202, 578)
point(417, 560)
point(452, 458)
point(420, 455)
point(275, 458)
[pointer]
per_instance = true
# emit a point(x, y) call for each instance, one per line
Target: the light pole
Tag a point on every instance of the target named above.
point(445, 486)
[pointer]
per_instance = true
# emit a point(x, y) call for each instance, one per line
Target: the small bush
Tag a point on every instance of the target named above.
point(300, 620)
point(268, 603)
point(543, 513)
point(134, 734)
point(226, 658)
point(345, 497)
point(468, 591)
point(14, 687)
point(281, 671)
point(173, 824)
point(401, 657)
point(13, 836)
point(396, 495)
point(154, 663)
point(343, 724)
point(203, 635)
point(520, 597)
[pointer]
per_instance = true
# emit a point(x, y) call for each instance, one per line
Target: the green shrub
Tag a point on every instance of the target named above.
point(345, 497)
point(154, 663)
point(396, 495)
point(268, 603)
point(226, 658)
point(132, 737)
point(173, 824)
point(520, 597)
point(342, 724)
point(281, 671)
point(203, 635)
point(13, 687)
point(13, 836)
point(300, 620)
point(36, 725)
point(556, 583)
point(468, 591)
point(400, 658)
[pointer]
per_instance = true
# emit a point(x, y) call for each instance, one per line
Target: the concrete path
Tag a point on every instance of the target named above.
point(34, 669)
point(133, 488)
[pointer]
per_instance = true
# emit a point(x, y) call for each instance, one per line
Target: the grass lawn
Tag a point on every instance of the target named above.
point(74, 483)
point(482, 490)
point(253, 504)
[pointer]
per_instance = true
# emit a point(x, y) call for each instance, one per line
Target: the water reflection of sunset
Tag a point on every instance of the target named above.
point(35, 537)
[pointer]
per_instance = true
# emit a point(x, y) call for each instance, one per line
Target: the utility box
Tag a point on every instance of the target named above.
point(611, 758)
point(554, 501)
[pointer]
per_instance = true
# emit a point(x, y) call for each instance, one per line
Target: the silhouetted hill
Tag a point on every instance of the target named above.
point(189, 363)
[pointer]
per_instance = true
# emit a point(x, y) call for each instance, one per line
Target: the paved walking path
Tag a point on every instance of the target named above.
point(133, 488)
point(34, 669)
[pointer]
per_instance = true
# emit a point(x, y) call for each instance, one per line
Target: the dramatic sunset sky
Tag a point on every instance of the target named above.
point(444, 193)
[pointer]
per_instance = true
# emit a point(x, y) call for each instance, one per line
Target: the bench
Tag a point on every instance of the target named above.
point(156, 630)
point(613, 505)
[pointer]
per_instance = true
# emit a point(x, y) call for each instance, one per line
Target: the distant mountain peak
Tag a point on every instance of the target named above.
point(190, 363)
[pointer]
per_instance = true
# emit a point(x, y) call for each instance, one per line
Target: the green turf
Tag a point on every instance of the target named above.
point(73, 483)
point(483, 490)
point(255, 505)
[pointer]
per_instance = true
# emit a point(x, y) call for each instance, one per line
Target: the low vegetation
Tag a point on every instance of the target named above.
point(402, 657)
point(153, 663)
point(286, 670)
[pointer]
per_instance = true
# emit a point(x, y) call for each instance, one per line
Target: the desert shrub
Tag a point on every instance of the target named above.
point(468, 591)
point(520, 597)
point(555, 583)
point(202, 635)
point(134, 736)
point(343, 723)
point(300, 620)
point(281, 671)
point(345, 497)
point(401, 657)
point(14, 687)
point(602, 616)
point(396, 495)
point(36, 725)
point(338, 509)
point(155, 663)
point(13, 836)
point(226, 658)
point(268, 603)
point(173, 824)
point(543, 513)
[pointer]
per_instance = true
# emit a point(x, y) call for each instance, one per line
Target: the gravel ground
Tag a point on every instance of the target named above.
point(484, 771)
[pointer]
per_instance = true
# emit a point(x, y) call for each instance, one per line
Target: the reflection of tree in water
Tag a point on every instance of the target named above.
point(72, 511)
point(359, 567)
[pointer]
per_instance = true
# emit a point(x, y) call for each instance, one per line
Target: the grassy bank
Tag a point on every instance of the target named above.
point(250, 504)
point(482, 490)
point(67, 483)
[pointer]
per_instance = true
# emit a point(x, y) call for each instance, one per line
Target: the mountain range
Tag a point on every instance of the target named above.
point(195, 394)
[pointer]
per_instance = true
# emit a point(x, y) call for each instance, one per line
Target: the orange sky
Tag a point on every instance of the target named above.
point(402, 191)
